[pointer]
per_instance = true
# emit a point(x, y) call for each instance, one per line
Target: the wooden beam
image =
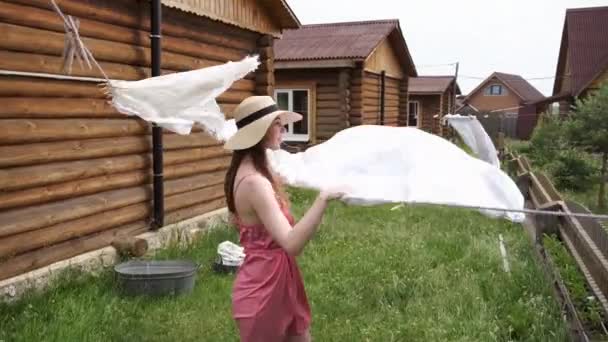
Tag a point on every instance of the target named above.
point(127, 13)
point(88, 186)
point(341, 63)
point(18, 131)
point(44, 107)
point(47, 152)
point(39, 175)
point(35, 41)
point(30, 240)
point(18, 86)
point(46, 256)
point(19, 61)
point(61, 251)
point(48, 20)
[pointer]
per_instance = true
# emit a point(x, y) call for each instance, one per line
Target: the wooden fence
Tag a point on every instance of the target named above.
point(584, 238)
point(495, 123)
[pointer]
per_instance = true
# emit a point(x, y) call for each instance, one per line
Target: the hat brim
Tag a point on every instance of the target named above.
point(253, 133)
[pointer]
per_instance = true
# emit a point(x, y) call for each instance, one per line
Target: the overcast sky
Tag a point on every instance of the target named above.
point(513, 36)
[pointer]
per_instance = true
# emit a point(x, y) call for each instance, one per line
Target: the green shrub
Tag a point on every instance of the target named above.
point(570, 170)
point(548, 139)
point(519, 146)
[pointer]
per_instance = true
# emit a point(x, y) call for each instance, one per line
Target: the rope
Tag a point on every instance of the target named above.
point(525, 211)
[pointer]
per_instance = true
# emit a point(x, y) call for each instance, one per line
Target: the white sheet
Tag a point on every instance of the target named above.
point(177, 101)
point(379, 164)
point(382, 164)
point(473, 134)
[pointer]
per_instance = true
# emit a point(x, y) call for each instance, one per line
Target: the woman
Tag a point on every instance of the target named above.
point(269, 301)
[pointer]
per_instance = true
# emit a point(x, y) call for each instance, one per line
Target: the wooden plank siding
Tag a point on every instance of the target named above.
point(371, 99)
point(330, 107)
point(385, 58)
point(73, 171)
point(242, 13)
point(391, 101)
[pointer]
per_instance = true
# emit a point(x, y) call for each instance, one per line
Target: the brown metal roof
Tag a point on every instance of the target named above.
point(585, 40)
point(522, 88)
point(348, 40)
point(519, 85)
point(430, 84)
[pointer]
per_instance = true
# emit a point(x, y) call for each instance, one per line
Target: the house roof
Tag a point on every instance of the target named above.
point(347, 40)
point(517, 84)
point(585, 42)
point(278, 9)
point(431, 84)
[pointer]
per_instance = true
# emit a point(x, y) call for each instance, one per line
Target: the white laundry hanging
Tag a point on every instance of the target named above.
point(177, 101)
point(379, 164)
point(473, 134)
point(382, 164)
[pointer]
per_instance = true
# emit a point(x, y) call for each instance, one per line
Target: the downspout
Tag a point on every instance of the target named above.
point(382, 85)
point(157, 132)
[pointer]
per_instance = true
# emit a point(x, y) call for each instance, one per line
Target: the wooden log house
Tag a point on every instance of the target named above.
point(74, 173)
point(431, 98)
point(342, 74)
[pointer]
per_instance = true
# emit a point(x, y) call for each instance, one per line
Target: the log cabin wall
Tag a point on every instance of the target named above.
point(74, 173)
point(356, 96)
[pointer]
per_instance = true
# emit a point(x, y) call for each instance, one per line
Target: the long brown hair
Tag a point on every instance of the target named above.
point(260, 163)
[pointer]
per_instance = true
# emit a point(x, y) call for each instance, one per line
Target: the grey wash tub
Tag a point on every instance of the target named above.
point(156, 277)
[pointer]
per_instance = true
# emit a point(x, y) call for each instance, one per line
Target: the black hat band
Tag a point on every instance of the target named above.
point(256, 115)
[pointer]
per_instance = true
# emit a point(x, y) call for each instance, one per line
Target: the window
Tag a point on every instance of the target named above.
point(495, 90)
point(413, 113)
point(295, 100)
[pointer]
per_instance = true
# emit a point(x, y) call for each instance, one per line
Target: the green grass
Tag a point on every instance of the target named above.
point(589, 310)
point(371, 274)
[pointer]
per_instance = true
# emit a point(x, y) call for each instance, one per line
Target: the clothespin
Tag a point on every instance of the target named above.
point(73, 45)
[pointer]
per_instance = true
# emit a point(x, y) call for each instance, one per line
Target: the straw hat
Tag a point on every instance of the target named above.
point(253, 117)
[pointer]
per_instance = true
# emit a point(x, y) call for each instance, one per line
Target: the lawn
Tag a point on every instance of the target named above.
point(372, 274)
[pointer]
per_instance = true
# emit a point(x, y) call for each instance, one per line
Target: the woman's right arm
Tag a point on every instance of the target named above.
point(268, 211)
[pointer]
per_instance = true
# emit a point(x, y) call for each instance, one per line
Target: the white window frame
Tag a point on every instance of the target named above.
point(417, 112)
point(289, 135)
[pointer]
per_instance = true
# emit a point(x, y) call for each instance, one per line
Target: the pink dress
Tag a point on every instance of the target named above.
point(268, 298)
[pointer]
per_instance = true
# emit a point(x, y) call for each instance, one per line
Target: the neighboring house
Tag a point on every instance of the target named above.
point(512, 97)
point(583, 56)
point(75, 173)
point(430, 98)
point(342, 74)
point(464, 109)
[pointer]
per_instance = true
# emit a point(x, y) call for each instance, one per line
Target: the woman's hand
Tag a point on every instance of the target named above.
point(333, 193)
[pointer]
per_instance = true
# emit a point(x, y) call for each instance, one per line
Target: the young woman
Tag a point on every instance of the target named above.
point(268, 300)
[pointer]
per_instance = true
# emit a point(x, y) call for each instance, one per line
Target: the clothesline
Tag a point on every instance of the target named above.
point(75, 48)
point(524, 211)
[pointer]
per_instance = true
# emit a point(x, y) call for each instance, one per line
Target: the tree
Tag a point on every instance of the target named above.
point(588, 129)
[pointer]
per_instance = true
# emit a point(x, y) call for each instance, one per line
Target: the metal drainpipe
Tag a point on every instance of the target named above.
point(157, 133)
point(382, 86)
